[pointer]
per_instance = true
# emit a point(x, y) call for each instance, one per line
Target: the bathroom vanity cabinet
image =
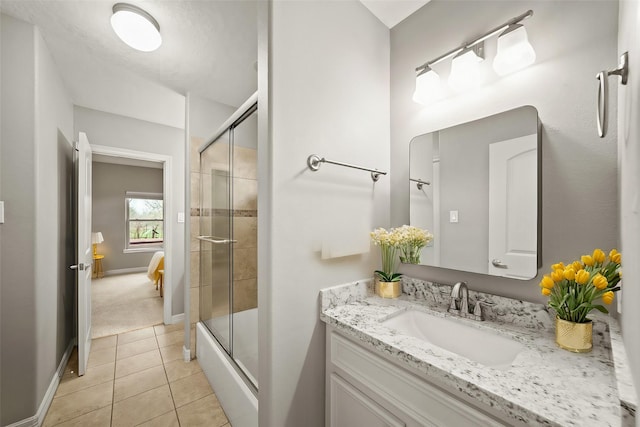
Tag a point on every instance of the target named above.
point(365, 389)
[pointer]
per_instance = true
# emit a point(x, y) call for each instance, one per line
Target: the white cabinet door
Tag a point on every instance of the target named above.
point(351, 408)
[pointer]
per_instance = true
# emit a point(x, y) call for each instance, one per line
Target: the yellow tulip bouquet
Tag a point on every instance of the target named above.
point(573, 288)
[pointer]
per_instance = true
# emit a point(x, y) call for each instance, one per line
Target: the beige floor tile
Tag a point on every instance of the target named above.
point(177, 369)
point(142, 407)
point(137, 347)
point(97, 418)
point(139, 382)
point(165, 329)
point(205, 412)
point(136, 335)
point(138, 363)
point(94, 376)
point(104, 342)
point(73, 405)
point(171, 352)
point(189, 389)
point(171, 338)
point(101, 356)
point(170, 419)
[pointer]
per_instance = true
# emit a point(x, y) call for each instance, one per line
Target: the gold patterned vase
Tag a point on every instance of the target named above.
point(388, 289)
point(576, 337)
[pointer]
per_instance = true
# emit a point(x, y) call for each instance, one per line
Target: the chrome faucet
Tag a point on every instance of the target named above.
point(460, 302)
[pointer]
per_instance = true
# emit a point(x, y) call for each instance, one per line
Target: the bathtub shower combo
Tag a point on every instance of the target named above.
point(227, 331)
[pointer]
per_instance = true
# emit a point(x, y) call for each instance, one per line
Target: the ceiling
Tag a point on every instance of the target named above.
point(392, 12)
point(209, 47)
point(209, 50)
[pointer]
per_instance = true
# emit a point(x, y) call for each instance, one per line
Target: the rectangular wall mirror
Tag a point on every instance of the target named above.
point(475, 187)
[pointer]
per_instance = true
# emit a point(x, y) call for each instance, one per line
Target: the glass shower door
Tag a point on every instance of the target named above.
point(228, 242)
point(216, 249)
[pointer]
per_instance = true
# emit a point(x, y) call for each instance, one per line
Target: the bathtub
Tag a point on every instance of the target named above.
point(238, 399)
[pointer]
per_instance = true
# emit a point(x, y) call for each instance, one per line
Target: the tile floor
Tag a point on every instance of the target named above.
point(136, 378)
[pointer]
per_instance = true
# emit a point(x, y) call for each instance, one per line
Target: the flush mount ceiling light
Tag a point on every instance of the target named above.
point(136, 27)
point(514, 53)
point(514, 50)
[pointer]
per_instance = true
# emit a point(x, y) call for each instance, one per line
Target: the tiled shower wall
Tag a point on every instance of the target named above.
point(245, 226)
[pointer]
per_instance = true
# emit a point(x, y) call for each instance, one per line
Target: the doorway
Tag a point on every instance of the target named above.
point(126, 285)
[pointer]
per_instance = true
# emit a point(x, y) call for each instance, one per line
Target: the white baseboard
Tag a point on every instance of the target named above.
point(125, 271)
point(177, 318)
point(37, 419)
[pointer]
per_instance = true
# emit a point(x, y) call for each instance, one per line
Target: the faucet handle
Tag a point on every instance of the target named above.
point(477, 310)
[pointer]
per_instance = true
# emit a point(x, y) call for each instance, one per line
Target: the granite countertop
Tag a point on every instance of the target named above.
point(545, 385)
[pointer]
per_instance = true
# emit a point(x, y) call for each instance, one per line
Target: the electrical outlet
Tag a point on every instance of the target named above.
point(453, 216)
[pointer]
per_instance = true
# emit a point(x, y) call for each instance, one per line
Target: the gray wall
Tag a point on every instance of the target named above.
point(110, 184)
point(573, 41)
point(37, 291)
point(127, 133)
point(329, 95)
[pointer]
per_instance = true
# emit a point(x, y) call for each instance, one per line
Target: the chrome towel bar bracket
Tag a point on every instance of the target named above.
point(314, 161)
point(603, 91)
point(419, 182)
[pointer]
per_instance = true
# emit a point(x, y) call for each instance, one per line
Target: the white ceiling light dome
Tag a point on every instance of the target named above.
point(136, 27)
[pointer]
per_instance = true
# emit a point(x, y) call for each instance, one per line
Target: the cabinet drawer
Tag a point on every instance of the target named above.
point(420, 400)
point(350, 407)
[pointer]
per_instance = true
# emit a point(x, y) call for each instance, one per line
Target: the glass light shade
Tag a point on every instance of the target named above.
point(97, 237)
point(136, 27)
point(514, 51)
point(465, 70)
point(428, 88)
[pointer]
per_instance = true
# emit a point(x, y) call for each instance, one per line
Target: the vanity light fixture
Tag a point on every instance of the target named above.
point(427, 86)
point(514, 50)
point(465, 68)
point(514, 53)
point(136, 27)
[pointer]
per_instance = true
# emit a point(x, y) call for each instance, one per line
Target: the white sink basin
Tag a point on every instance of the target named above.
point(482, 346)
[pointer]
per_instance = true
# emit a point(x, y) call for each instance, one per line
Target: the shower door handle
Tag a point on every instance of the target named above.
point(215, 240)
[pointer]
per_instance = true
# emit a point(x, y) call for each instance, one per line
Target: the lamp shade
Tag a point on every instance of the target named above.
point(465, 70)
point(136, 27)
point(514, 51)
point(428, 87)
point(96, 237)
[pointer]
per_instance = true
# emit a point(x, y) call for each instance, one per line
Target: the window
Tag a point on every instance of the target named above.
point(144, 221)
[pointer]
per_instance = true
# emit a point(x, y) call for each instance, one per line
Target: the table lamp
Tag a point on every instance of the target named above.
point(96, 238)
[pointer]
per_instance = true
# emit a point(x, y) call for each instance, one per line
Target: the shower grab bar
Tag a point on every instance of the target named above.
point(217, 241)
point(419, 182)
point(603, 91)
point(313, 161)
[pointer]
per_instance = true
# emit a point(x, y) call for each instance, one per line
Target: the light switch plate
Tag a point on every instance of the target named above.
point(453, 216)
point(180, 217)
point(1, 212)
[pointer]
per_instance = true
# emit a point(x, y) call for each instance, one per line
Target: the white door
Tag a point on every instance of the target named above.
point(85, 253)
point(513, 212)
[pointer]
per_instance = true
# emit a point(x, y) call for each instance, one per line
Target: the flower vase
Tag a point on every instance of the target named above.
point(410, 255)
point(388, 289)
point(575, 337)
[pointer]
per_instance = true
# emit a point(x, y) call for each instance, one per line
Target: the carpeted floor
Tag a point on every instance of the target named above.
point(124, 303)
